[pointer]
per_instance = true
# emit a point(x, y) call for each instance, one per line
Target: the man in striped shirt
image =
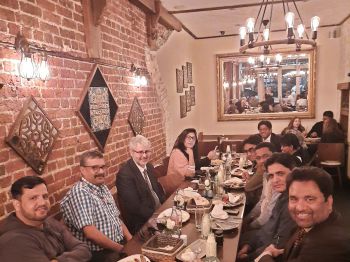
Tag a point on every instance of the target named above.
point(90, 212)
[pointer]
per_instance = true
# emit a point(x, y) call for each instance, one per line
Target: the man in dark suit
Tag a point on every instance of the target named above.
point(321, 235)
point(317, 128)
point(139, 192)
point(265, 132)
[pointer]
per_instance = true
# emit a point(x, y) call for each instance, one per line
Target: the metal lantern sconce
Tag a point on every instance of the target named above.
point(139, 79)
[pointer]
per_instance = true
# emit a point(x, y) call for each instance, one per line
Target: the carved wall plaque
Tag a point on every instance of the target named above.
point(97, 107)
point(183, 106)
point(32, 136)
point(179, 80)
point(136, 117)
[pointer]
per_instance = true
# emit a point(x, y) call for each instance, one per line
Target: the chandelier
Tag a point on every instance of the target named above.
point(258, 30)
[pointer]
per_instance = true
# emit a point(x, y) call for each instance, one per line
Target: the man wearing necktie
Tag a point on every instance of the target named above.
point(139, 192)
point(321, 235)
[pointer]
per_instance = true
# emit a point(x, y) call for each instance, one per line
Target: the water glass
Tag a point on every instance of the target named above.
point(198, 214)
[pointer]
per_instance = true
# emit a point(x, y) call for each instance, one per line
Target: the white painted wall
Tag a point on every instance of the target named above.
point(174, 54)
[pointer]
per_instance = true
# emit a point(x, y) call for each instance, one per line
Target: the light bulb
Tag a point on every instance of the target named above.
point(278, 58)
point(226, 84)
point(137, 80)
point(143, 81)
point(300, 30)
point(43, 70)
point(268, 60)
point(266, 34)
point(251, 60)
point(261, 58)
point(289, 17)
point(242, 32)
point(250, 24)
point(315, 22)
point(26, 67)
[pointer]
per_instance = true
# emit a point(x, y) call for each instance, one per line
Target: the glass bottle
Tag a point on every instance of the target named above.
point(205, 227)
point(175, 216)
point(210, 250)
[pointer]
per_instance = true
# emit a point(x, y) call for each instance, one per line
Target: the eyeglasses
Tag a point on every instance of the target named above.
point(146, 152)
point(97, 168)
point(250, 150)
point(191, 137)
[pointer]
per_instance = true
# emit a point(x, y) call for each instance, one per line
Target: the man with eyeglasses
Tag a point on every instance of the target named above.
point(90, 212)
point(139, 192)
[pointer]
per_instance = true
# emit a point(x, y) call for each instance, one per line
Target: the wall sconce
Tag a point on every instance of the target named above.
point(139, 79)
point(27, 68)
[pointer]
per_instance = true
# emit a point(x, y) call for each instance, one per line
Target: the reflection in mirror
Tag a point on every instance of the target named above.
point(269, 86)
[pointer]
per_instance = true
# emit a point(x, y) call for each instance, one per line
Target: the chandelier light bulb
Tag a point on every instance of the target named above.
point(250, 24)
point(26, 67)
point(262, 58)
point(143, 81)
point(266, 34)
point(289, 17)
point(251, 60)
point(242, 32)
point(278, 58)
point(300, 30)
point(315, 22)
point(268, 60)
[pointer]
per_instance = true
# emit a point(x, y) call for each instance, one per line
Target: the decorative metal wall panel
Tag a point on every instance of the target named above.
point(189, 72)
point(183, 109)
point(33, 135)
point(184, 70)
point(136, 117)
point(97, 108)
point(193, 95)
point(179, 80)
point(188, 101)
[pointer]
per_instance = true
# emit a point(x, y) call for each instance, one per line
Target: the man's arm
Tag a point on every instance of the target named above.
point(126, 232)
point(75, 250)
point(96, 236)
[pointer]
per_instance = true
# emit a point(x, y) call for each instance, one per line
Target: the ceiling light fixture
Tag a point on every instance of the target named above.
point(263, 39)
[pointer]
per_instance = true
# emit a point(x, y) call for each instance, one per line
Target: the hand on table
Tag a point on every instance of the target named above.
point(212, 155)
point(275, 252)
point(245, 176)
point(313, 135)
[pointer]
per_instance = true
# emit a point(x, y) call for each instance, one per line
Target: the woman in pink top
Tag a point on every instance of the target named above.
point(184, 159)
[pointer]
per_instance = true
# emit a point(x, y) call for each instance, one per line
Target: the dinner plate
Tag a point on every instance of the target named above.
point(198, 247)
point(167, 212)
point(133, 258)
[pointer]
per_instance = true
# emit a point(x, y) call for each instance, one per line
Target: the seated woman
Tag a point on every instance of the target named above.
point(295, 127)
point(331, 132)
point(184, 160)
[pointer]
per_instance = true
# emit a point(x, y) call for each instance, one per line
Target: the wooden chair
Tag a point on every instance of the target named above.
point(205, 147)
point(160, 170)
point(331, 155)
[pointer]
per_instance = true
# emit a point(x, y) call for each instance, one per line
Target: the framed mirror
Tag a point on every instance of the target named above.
point(271, 86)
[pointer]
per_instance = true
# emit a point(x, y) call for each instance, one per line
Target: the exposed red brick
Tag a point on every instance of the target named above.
point(30, 9)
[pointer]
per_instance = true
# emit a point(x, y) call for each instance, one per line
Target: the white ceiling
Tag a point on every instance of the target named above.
point(209, 23)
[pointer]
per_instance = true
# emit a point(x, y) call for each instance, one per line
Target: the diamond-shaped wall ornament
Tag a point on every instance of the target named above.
point(97, 108)
point(33, 135)
point(136, 117)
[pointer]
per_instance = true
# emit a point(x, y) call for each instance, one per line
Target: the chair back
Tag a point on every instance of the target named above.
point(331, 152)
point(160, 170)
point(205, 147)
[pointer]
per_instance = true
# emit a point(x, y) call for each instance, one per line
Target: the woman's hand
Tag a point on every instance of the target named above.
point(212, 155)
point(189, 151)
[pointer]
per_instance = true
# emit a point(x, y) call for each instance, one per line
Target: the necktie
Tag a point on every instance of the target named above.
point(296, 246)
point(155, 197)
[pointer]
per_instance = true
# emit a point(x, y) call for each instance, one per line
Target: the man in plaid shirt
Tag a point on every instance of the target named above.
point(90, 212)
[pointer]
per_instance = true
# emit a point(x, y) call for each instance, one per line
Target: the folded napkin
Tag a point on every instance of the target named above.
point(218, 212)
point(234, 198)
point(189, 192)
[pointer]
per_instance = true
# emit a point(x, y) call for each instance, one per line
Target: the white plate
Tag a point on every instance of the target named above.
point(167, 212)
point(132, 258)
point(198, 245)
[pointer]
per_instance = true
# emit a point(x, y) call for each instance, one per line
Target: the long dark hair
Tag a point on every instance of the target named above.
point(290, 126)
point(180, 144)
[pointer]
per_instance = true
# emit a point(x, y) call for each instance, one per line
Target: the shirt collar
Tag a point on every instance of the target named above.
point(92, 186)
point(268, 139)
point(142, 169)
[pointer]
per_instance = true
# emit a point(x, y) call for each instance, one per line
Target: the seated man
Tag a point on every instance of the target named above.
point(90, 212)
point(139, 193)
point(290, 145)
point(321, 235)
point(317, 128)
point(280, 225)
point(29, 235)
point(265, 132)
point(261, 212)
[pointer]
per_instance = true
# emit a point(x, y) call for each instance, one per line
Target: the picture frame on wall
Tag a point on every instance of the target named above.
point(184, 70)
point(193, 95)
point(97, 108)
point(179, 80)
point(189, 72)
point(183, 106)
point(188, 101)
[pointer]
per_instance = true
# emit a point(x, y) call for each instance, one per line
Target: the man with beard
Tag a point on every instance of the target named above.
point(29, 235)
point(321, 235)
point(139, 192)
point(90, 212)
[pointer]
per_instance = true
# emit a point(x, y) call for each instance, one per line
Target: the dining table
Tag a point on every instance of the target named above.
point(225, 253)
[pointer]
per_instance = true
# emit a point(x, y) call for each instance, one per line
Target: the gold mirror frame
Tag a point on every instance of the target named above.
point(310, 113)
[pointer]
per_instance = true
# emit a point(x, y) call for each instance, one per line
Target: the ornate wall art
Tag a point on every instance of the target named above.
point(193, 95)
point(188, 101)
point(184, 71)
point(136, 117)
point(97, 107)
point(179, 80)
point(189, 72)
point(183, 107)
point(33, 135)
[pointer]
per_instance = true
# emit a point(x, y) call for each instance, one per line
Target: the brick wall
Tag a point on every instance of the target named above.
point(58, 24)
